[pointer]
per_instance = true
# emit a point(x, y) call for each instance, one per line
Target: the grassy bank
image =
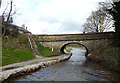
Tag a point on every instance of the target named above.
point(68, 49)
point(45, 52)
point(15, 50)
point(107, 56)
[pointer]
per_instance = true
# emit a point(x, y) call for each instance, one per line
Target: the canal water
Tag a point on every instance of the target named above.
point(74, 69)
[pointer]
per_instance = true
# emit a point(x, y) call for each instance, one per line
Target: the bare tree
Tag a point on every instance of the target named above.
point(99, 21)
point(8, 16)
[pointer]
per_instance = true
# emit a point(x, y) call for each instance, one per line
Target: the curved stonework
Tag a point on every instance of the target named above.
point(29, 68)
point(64, 45)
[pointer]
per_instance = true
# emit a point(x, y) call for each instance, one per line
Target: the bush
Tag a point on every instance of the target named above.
point(106, 55)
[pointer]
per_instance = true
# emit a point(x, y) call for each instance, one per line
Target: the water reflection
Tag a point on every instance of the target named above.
point(78, 57)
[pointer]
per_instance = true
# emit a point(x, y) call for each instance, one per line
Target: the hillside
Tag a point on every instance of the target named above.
point(15, 50)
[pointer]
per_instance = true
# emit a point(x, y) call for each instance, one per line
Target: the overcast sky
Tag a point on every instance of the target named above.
point(52, 16)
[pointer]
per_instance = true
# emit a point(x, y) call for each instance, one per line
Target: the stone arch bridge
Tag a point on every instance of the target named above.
point(60, 41)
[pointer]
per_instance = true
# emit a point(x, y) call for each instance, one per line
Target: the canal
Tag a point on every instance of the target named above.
point(74, 69)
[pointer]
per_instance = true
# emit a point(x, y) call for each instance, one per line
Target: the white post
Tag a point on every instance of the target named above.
point(52, 49)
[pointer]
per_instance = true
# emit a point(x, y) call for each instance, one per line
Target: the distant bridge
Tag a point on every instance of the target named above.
point(59, 41)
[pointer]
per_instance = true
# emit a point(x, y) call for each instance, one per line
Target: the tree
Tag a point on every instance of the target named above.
point(115, 12)
point(99, 21)
point(8, 17)
point(0, 2)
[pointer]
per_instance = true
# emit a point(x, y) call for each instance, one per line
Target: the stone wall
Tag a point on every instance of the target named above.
point(85, 40)
point(74, 37)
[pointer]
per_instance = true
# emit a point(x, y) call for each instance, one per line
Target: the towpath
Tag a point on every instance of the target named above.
point(37, 59)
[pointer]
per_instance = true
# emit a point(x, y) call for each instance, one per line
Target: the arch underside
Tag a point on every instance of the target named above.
point(63, 47)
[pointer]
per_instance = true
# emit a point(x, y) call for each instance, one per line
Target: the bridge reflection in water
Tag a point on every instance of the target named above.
point(74, 69)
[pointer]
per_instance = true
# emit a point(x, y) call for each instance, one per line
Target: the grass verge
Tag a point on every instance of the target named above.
point(45, 52)
point(16, 50)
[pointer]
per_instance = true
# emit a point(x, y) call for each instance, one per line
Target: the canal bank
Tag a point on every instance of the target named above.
point(107, 57)
point(74, 69)
point(21, 69)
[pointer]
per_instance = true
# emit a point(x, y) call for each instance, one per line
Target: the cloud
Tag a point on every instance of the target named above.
point(54, 16)
point(39, 27)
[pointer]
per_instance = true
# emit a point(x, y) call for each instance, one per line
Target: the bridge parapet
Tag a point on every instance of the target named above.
point(74, 37)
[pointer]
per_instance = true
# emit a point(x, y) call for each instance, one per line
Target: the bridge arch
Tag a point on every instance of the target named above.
point(63, 47)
